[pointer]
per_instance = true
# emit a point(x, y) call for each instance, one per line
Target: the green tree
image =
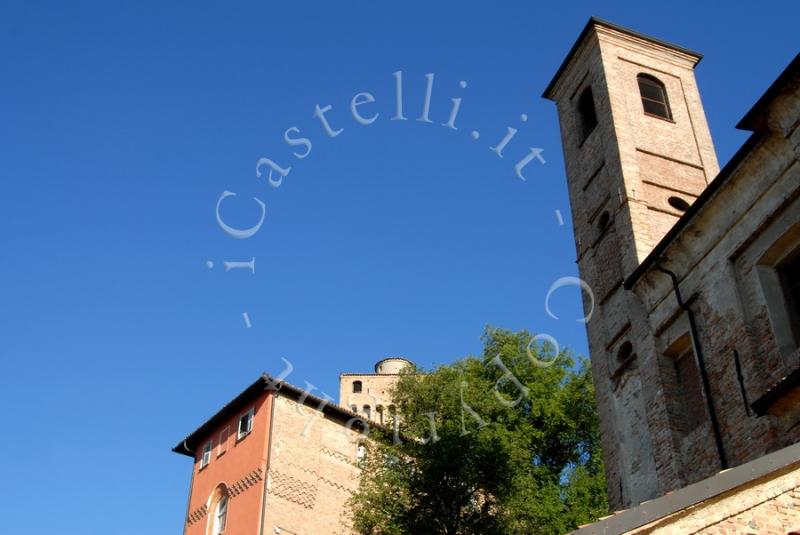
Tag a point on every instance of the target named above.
point(505, 443)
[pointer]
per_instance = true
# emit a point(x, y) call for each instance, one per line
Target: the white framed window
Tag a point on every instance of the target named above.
point(245, 424)
point(218, 511)
point(221, 515)
point(206, 458)
point(223, 440)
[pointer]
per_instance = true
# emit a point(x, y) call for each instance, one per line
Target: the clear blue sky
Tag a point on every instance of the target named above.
point(121, 126)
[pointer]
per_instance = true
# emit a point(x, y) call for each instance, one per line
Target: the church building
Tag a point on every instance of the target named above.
point(695, 275)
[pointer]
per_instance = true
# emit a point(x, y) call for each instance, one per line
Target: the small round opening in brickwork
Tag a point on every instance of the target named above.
point(624, 352)
point(678, 203)
point(603, 221)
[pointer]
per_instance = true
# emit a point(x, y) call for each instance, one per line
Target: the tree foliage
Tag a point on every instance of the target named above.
point(488, 445)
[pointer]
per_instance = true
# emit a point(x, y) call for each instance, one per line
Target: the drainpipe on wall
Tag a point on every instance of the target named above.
point(698, 351)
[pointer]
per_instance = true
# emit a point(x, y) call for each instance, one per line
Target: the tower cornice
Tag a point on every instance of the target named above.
point(596, 26)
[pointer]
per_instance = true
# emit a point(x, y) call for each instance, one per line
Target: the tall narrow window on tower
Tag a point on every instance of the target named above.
point(588, 117)
point(625, 352)
point(654, 96)
point(603, 221)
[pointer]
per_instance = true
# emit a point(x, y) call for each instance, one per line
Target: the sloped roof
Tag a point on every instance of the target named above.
point(188, 446)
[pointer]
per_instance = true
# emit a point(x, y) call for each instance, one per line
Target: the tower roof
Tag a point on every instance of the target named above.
point(596, 22)
point(377, 367)
point(387, 359)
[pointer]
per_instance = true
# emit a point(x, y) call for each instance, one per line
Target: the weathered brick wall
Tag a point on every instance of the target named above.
point(629, 166)
point(591, 171)
point(312, 472)
point(717, 259)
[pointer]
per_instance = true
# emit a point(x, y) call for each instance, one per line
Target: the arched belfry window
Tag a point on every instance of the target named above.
point(654, 96)
point(586, 112)
point(356, 387)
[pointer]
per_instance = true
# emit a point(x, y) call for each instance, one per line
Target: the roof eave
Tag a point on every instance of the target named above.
point(264, 382)
point(753, 119)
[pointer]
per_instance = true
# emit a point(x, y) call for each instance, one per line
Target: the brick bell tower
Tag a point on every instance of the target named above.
point(638, 152)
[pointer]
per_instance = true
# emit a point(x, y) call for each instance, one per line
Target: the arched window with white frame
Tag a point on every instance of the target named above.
point(218, 518)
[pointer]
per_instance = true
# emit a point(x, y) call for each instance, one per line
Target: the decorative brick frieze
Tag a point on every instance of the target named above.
point(337, 455)
point(293, 489)
point(197, 514)
point(246, 482)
